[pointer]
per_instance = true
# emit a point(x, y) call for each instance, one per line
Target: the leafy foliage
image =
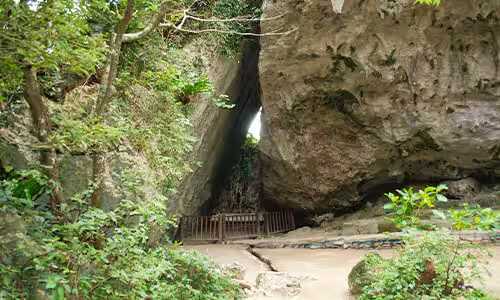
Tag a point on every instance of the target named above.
point(429, 2)
point(229, 44)
point(249, 152)
point(472, 217)
point(430, 265)
point(407, 205)
point(93, 254)
point(224, 102)
point(52, 36)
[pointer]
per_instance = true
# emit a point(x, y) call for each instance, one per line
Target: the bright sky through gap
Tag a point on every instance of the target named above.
point(254, 129)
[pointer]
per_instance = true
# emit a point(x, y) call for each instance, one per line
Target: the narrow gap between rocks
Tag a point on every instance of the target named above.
point(262, 258)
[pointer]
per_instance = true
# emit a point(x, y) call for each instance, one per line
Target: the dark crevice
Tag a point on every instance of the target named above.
point(248, 105)
point(262, 258)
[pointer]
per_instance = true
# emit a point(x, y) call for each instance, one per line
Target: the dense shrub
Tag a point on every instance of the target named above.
point(471, 217)
point(430, 265)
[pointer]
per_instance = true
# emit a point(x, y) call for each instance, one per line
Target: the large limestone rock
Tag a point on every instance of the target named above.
point(366, 94)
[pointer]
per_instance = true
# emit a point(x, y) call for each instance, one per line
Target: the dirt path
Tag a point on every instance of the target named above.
point(330, 267)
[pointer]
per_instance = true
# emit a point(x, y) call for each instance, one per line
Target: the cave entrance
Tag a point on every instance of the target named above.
point(238, 186)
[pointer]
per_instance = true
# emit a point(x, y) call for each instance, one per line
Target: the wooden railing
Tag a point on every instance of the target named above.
point(235, 226)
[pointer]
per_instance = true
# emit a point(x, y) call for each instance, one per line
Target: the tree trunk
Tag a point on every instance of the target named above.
point(42, 127)
point(105, 97)
point(98, 171)
point(106, 91)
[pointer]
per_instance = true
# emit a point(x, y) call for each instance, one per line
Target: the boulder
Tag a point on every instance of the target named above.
point(360, 227)
point(463, 189)
point(365, 95)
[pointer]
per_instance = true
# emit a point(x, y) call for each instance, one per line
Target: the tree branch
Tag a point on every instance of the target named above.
point(237, 19)
point(105, 96)
point(178, 28)
point(33, 96)
point(41, 120)
point(114, 55)
point(129, 37)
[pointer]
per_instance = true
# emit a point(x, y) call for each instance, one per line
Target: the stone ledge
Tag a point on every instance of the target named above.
point(367, 241)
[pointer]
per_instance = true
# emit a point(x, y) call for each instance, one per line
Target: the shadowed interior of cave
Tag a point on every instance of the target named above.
point(239, 168)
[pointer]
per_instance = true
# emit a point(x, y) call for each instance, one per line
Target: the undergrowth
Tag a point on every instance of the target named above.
point(429, 265)
point(89, 253)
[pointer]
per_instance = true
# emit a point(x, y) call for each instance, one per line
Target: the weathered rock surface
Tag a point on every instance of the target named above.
point(464, 188)
point(16, 152)
point(280, 284)
point(234, 270)
point(383, 92)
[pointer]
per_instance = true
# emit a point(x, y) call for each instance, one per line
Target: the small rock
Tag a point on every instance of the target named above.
point(234, 270)
point(280, 284)
point(329, 217)
point(243, 284)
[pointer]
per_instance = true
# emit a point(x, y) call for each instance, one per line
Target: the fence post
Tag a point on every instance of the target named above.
point(266, 223)
point(221, 227)
point(181, 228)
point(292, 219)
point(257, 216)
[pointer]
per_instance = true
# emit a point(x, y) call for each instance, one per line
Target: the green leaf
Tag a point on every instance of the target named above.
point(441, 198)
point(439, 214)
point(59, 293)
point(388, 206)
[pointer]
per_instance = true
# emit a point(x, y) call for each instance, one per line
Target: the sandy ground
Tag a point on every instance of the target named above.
point(226, 254)
point(330, 267)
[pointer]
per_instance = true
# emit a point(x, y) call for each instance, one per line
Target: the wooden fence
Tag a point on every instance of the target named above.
point(235, 226)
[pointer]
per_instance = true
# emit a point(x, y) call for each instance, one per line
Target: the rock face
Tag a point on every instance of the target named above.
point(75, 170)
point(367, 94)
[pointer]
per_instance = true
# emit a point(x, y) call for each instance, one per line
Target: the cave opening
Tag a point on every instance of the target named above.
point(255, 125)
point(237, 187)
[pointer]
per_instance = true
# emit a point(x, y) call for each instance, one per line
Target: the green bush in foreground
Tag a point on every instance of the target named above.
point(430, 265)
point(88, 253)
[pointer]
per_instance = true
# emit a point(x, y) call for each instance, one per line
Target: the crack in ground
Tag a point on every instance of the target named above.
point(262, 258)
